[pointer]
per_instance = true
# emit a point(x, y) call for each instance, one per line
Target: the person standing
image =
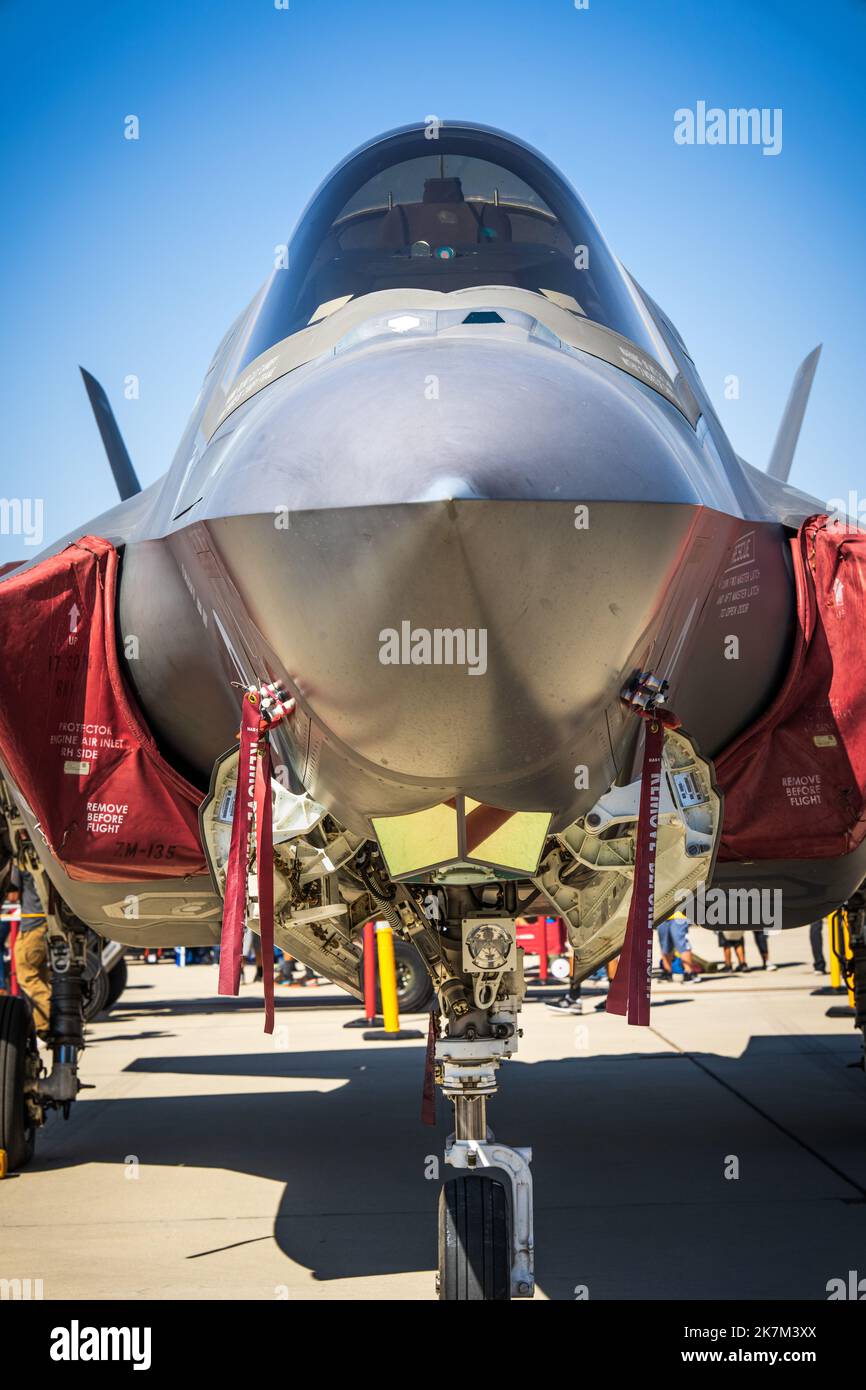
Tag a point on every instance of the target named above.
point(570, 1002)
point(31, 949)
point(5, 928)
point(816, 941)
point(5, 922)
point(729, 940)
point(764, 949)
point(674, 941)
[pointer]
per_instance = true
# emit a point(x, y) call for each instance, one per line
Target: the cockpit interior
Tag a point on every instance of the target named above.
point(470, 208)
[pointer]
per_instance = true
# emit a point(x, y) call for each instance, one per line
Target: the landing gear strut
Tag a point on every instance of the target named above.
point(60, 1088)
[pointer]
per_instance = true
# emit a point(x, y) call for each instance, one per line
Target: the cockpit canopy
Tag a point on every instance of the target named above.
point(444, 209)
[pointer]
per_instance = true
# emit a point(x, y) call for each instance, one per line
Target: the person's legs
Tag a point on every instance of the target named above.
point(741, 955)
point(666, 947)
point(684, 949)
point(764, 949)
point(31, 967)
point(816, 941)
point(691, 965)
point(570, 1002)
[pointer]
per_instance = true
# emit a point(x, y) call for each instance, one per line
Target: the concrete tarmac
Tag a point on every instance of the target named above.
point(210, 1161)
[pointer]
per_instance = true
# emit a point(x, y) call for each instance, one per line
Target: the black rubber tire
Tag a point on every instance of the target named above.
point(117, 980)
point(414, 986)
point(17, 1037)
point(474, 1242)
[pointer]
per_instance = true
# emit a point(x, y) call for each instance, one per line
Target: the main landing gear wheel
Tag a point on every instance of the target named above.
point(95, 995)
point(474, 1241)
point(17, 1044)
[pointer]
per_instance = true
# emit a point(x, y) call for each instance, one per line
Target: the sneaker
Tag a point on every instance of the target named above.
point(694, 978)
point(565, 1005)
point(768, 965)
point(738, 969)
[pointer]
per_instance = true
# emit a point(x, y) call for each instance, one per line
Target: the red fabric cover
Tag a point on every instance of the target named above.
point(71, 738)
point(629, 992)
point(237, 869)
point(795, 781)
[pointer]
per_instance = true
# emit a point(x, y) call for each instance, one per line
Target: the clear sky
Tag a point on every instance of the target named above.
point(132, 257)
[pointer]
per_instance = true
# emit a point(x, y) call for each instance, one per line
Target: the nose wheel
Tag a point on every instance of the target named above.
point(474, 1241)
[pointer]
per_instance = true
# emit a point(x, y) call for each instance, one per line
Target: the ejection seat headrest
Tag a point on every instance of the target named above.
point(443, 191)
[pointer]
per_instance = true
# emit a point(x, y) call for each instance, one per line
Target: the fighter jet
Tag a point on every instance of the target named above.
point(456, 537)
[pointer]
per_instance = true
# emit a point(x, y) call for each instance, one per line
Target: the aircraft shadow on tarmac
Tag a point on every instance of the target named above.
point(629, 1161)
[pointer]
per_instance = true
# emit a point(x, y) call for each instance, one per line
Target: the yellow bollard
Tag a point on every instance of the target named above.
point(387, 977)
point(848, 956)
point(835, 951)
point(3, 1164)
point(392, 1032)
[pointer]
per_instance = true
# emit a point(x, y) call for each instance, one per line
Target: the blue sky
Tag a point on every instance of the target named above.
point(132, 257)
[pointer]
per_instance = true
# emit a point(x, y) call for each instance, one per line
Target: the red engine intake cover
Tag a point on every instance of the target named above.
point(71, 738)
point(795, 782)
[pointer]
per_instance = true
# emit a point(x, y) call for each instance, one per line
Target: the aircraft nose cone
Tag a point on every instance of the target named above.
point(448, 488)
point(455, 646)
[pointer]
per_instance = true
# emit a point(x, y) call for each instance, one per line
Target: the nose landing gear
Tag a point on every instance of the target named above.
point(486, 1246)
